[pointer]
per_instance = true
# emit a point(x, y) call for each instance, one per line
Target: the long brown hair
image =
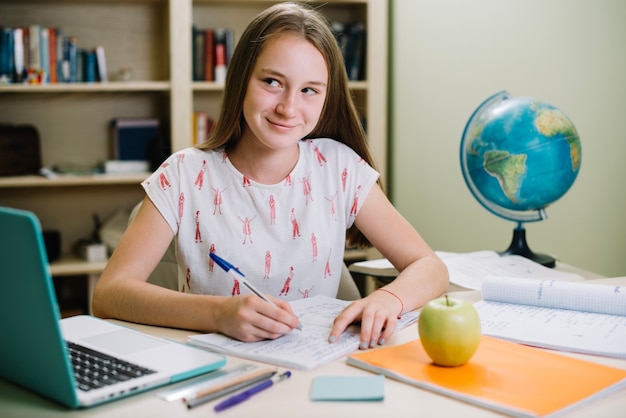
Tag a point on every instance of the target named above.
point(339, 119)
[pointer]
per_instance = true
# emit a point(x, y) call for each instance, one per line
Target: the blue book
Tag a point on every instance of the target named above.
point(135, 138)
point(6, 55)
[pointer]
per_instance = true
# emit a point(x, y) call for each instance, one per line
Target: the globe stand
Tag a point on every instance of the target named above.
point(519, 246)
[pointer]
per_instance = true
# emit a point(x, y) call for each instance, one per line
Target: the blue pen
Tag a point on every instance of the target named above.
point(239, 276)
point(246, 394)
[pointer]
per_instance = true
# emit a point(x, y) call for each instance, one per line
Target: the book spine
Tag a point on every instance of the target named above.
point(209, 47)
point(198, 55)
point(19, 72)
point(65, 60)
point(52, 50)
point(220, 55)
point(89, 62)
point(34, 53)
point(101, 64)
point(44, 54)
point(73, 58)
point(6, 55)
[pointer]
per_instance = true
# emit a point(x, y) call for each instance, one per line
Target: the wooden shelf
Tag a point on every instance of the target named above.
point(135, 86)
point(72, 180)
point(76, 267)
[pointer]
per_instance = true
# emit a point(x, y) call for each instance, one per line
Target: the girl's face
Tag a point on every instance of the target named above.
point(285, 93)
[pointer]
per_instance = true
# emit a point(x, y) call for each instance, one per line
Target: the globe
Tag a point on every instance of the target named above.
point(519, 155)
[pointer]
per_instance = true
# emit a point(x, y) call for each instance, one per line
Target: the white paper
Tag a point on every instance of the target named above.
point(302, 350)
point(578, 317)
point(468, 270)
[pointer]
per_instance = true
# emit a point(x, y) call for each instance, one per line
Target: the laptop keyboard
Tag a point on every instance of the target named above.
point(93, 369)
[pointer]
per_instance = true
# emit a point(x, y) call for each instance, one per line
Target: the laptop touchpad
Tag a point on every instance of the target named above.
point(124, 342)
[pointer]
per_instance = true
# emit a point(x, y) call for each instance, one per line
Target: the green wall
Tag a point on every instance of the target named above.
point(447, 56)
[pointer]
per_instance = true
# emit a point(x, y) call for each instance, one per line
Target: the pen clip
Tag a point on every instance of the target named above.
point(225, 265)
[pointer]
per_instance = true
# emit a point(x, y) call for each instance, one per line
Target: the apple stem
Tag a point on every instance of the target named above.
point(447, 301)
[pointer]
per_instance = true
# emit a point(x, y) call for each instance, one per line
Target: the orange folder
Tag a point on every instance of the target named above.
point(512, 378)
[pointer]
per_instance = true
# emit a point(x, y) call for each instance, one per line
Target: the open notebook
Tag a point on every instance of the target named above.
point(36, 344)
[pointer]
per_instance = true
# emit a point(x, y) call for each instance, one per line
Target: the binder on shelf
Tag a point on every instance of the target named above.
point(134, 139)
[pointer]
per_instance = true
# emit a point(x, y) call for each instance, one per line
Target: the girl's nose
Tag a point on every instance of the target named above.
point(287, 104)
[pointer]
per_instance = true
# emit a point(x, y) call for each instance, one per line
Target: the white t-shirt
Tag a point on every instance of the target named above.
point(288, 239)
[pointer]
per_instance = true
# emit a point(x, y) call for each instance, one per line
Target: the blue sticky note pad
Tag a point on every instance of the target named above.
point(348, 388)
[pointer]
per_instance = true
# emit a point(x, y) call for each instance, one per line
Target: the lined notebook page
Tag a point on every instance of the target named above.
point(569, 316)
point(578, 296)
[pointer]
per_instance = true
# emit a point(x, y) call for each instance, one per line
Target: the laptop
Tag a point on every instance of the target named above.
point(36, 343)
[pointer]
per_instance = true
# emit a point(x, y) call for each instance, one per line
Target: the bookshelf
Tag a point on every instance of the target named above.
point(154, 38)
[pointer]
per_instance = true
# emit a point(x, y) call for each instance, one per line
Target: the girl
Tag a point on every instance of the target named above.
point(285, 173)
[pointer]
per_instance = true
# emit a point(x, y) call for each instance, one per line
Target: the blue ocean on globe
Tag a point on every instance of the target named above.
point(519, 155)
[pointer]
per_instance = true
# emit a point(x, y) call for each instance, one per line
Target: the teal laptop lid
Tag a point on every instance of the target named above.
point(33, 348)
point(32, 351)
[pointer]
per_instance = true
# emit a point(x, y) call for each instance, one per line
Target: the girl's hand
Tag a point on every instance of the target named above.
point(249, 318)
point(378, 315)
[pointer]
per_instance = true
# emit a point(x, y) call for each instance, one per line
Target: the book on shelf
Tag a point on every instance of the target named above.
point(7, 54)
point(351, 37)
point(304, 349)
point(133, 139)
point(202, 125)
point(509, 378)
point(211, 52)
point(37, 54)
point(101, 64)
point(52, 55)
point(580, 317)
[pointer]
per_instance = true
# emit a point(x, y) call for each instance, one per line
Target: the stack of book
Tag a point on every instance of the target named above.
point(211, 51)
point(36, 54)
point(351, 37)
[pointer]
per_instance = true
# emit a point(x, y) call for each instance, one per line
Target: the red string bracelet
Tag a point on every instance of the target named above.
point(397, 297)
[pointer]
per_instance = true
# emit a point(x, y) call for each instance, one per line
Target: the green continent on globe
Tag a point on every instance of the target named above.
point(507, 168)
point(550, 122)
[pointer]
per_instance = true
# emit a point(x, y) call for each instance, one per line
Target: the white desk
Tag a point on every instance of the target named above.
point(290, 399)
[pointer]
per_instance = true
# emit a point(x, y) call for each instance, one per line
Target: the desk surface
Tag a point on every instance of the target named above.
point(291, 398)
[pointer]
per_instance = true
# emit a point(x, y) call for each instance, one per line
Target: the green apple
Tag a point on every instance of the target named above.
point(449, 330)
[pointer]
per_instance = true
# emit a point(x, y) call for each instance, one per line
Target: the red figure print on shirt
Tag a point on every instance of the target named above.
point(314, 246)
point(247, 230)
point(268, 264)
point(181, 205)
point(198, 234)
point(344, 177)
point(287, 285)
point(200, 178)
point(287, 180)
point(321, 160)
point(181, 157)
point(217, 199)
point(224, 156)
point(246, 182)
point(236, 288)
point(295, 228)
point(327, 272)
point(164, 182)
point(211, 262)
point(272, 203)
point(355, 203)
point(333, 210)
point(306, 292)
point(306, 188)
point(188, 279)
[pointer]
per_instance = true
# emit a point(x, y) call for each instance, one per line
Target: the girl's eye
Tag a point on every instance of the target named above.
point(272, 82)
point(308, 90)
